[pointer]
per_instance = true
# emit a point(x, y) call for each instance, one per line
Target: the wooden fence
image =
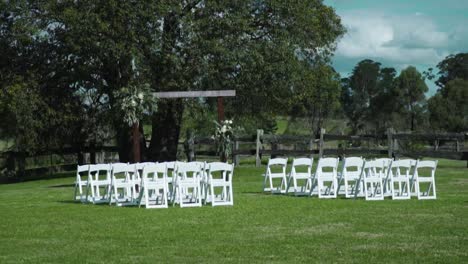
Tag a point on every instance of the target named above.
point(392, 144)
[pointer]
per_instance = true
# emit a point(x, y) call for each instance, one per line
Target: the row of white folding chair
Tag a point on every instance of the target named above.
point(195, 182)
point(323, 182)
point(99, 185)
point(386, 177)
point(372, 179)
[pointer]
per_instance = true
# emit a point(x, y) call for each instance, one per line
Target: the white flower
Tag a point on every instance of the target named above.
point(223, 129)
point(140, 95)
point(134, 103)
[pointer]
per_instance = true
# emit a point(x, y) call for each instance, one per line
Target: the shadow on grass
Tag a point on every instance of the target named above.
point(62, 186)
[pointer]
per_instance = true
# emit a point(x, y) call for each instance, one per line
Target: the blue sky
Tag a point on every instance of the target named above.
point(400, 33)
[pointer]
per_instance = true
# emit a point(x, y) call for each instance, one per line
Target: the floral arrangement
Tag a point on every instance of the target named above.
point(135, 101)
point(224, 137)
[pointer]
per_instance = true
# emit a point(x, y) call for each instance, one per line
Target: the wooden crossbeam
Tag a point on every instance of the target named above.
point(194, 94)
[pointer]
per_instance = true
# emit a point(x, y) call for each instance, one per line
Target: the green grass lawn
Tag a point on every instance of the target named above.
point(40, 224)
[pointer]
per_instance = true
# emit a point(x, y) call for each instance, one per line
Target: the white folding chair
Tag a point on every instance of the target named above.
point(81, 171)
point(419, 178)
point(186, 184)
point(326, 178)
point(350, 177)
point(219, 176)
point(301, 170)
point(373, 175)
point(203, 184)
point(137, 177)
point(170, 165)
point(154, 187)
point(99, 183)
point(271, 174)
point(400, 179)
point(122, 184)
point(386, 179)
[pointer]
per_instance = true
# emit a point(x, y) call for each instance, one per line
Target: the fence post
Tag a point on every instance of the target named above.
point(321, 143)
point(457, 146)
point(258, 160)
point(436, 144)
point(235, 156)
point(395, 147)
point(311, 146)
point(189, 146)
point(390, 142)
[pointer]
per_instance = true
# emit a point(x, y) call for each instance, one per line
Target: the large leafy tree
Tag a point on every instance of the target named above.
point(316, 96)
point(254, 47)
point(449, 110)
point(451, 68)
point(37, 115)
point(411, 90)
point(359, 91)
point(448, 107)
point(88, 50)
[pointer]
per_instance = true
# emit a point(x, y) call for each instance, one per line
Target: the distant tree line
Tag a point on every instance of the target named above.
point(375, 98)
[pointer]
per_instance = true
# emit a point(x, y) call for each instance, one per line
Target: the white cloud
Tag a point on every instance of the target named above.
point(401, 40)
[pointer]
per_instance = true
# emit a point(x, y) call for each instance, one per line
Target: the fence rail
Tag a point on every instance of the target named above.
point(392, 144)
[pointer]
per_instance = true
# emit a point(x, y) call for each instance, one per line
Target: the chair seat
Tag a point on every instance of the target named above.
point(101, 182)
point(276, 175)
point(373, 179)
point(83, 183)
point(400, 178)
point(218, 182)
point(425, 179)
point(327, 178)
point(302, 176)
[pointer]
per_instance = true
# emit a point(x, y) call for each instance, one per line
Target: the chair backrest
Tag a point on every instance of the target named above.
point(139, 168)
point(277, 161)
point(81, 170)
point(329, 164)
point(402, 167)
point(122, 171)
point(96, 170)
point(273, 165)
point(223, 170)
point(140, 165)
point(154, 171)
point(375, 168)
point(425, 165)
point(187, 170)
point(352, 166)
point(386, 161)
point(299, 164)
point(170, 164)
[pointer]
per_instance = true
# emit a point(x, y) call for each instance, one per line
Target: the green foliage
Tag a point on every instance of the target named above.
point(374, 99)
point(410, 96)
point(451, 68)
point(316, 96)
point(449, 108)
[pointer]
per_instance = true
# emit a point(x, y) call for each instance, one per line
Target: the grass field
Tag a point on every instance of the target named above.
point(40, 224)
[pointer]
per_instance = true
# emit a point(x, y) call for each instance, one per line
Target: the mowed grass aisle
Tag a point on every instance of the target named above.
point(39, 223)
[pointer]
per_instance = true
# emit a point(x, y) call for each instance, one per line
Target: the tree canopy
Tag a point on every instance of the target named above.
point(75, 55)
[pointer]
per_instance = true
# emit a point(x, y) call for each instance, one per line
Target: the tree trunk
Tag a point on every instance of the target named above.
point(166, 130)
point(136, 152)
point(123, 143)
